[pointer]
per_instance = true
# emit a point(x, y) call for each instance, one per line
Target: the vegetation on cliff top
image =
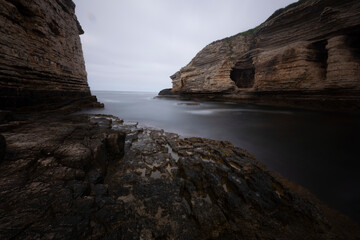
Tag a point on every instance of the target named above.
point(275, 14)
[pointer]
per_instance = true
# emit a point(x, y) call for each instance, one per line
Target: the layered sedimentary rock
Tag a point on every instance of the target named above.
point(41, 59)
point(91, 181)
point(305, 53)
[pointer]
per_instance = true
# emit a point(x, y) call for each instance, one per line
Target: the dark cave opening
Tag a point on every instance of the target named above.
point(353, 41)
point(243, 74)
point(321, 56)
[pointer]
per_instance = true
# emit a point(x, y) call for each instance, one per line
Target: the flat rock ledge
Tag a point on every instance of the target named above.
point(96, 177)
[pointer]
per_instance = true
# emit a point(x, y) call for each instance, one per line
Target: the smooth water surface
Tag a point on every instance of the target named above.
point(317, 150)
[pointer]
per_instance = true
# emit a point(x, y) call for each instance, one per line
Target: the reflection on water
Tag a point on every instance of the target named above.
point(316, 150)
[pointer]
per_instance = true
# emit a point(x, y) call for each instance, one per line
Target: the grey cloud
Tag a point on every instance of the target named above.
point(138, 44)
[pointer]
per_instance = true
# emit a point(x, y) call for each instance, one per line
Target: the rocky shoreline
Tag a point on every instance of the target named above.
point(304, 55)
point(317, 101)
point(97, 177)
point(65, 175)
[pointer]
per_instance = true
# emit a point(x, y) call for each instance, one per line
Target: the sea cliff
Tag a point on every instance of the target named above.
point(41, 58)
point(74, 176)
point(306, 55)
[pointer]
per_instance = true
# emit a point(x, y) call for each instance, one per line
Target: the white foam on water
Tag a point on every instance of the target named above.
point(265, 111)
point(238, 111)
point(201, 112)
point(211, 111)
point(110, 100)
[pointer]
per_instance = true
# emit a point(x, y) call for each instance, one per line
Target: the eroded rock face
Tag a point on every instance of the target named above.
point(41, 59)
point(79, 184)
point(304, 53)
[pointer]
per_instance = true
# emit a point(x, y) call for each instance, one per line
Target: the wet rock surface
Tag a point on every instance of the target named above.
point(96, 177)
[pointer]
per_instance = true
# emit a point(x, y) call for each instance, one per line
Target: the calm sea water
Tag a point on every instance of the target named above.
point(320, 151)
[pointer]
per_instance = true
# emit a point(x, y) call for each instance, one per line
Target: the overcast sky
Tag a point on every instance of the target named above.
point(135, 45)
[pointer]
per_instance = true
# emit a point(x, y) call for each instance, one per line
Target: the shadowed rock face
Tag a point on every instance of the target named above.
point(101, 178)
point(304, 53)
point(41, 60)
point(2, 147)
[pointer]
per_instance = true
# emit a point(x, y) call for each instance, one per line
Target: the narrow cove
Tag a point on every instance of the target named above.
point(314, 149)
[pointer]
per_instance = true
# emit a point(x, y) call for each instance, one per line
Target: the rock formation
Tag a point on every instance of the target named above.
point(306, 54)
point(101, 178)
point(90, 181)
point(165, 92)
point(41, 59)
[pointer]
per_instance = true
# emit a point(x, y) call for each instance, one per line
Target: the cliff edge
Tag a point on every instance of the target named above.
point(307, 55)
point(41, 58)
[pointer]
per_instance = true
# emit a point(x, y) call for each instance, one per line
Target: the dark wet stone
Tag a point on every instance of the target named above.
point(95, 176)
point(2, 147)
point(5, 116)
point(79, 188)
point(166, 92)
point(115, 145)
point(73, 155)
point(99, 189)
point(85, 183)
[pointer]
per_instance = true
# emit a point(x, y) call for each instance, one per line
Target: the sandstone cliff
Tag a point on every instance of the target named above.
point(306, 53)
point(41, 59)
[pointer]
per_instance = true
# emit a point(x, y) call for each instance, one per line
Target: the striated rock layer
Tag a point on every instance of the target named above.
point(307, 54)
point(41, 59)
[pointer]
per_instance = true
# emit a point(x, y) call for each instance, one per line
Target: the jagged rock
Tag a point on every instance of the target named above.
point(306, 55)
point(101, 178)
point(2, 147)
point(166, 91)
point(41, 59)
